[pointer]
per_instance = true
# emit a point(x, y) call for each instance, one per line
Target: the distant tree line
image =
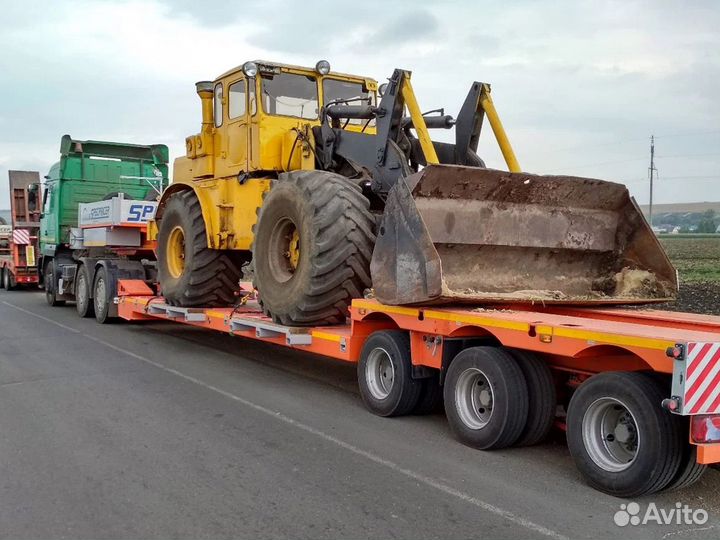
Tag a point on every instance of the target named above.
point(688, 222)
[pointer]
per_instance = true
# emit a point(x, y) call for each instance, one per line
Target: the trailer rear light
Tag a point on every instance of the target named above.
point(705, 428)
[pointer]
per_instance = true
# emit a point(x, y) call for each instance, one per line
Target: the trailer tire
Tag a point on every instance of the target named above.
point(542, 397)
point(431, 396)
point(622, 441)
point(191, 273)
point(102, 296)
point(385, 374)
point(690, 471)
point(312, 248)
point(83, 302)
point(486, 398)
point(51, 285)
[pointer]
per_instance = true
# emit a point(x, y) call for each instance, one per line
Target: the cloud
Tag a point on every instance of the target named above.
point(418, 26)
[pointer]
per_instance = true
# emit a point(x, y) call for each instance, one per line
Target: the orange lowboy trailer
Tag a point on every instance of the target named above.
point(637, 391)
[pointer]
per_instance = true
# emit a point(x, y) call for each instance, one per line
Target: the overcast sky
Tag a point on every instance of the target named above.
point(580, 85)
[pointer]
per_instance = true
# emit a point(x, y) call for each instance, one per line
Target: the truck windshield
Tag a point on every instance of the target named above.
point(356, 93)
point(287, 94)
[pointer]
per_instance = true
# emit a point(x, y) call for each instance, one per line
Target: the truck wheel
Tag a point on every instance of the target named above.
point(83, 302)
point(312, 248)
point(6, 279)
point(385, 374)
point(102, 296)
point(542, 399)
point(622, 441)
point(51, 284)
point(190, 273)
point(486, 398)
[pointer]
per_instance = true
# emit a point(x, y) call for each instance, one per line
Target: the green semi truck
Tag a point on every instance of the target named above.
point(96, 203)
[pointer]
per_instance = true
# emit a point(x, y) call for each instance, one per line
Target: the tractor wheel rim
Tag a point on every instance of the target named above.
point(380, 373)
point(610, 434)
point(176, 252)
point(100, 295)
point(284, 250)
point(474, 398)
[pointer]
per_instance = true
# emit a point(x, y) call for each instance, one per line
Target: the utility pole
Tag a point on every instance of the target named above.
point(652, 171)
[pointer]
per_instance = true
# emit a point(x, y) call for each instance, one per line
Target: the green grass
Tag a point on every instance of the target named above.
point(696, 256)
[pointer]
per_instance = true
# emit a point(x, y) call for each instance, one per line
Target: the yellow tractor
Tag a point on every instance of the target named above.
point(326, 185)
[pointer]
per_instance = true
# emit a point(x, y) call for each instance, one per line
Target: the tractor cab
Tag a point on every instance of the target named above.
point(277, 104)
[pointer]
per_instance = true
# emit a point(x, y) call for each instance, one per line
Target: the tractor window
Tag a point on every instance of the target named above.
point(286, 94)
point(236, 107)
point(356, 93)
point(218, 106)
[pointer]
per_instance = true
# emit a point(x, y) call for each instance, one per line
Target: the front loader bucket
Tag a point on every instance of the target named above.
point(469, 235)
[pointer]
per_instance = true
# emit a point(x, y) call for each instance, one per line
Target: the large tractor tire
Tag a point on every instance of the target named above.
point(312, 248)
point(190, 273)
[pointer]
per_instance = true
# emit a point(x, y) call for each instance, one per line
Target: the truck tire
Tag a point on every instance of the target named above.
point(6, 279)
point(51, 285)
point(102, 296)
point(83, 303)
point(486, 398)
point(312, 248)
point(622, 441)
point(190, 273)
point(542, 398)
point(385, 374)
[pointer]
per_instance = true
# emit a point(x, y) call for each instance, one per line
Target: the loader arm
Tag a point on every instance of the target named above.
point(381, 153)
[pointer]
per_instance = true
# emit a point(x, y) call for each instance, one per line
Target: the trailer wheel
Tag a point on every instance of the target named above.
point(690, 471)
point(385, 374)
point(83, 303)
point(622, 441)
point(102, 296)
point(486, 398)
point(542, 397)
point(51, 284)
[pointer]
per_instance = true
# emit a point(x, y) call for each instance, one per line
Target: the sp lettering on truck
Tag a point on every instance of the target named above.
point(141, 212)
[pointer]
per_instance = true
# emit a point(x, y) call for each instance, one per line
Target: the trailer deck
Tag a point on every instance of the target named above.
point(578, 342)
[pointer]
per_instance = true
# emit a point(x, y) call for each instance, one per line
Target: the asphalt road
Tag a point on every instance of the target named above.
point(164, 431)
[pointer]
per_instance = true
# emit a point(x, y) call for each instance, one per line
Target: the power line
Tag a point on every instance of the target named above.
point(689, 155)
point(583, 166)
point(690, 134)
point(636, 139)
point(643, 180)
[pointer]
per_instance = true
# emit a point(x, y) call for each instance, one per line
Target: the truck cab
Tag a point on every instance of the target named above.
point(92, 172)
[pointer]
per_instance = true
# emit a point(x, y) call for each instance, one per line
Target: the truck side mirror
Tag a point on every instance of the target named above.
point(33, 190)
